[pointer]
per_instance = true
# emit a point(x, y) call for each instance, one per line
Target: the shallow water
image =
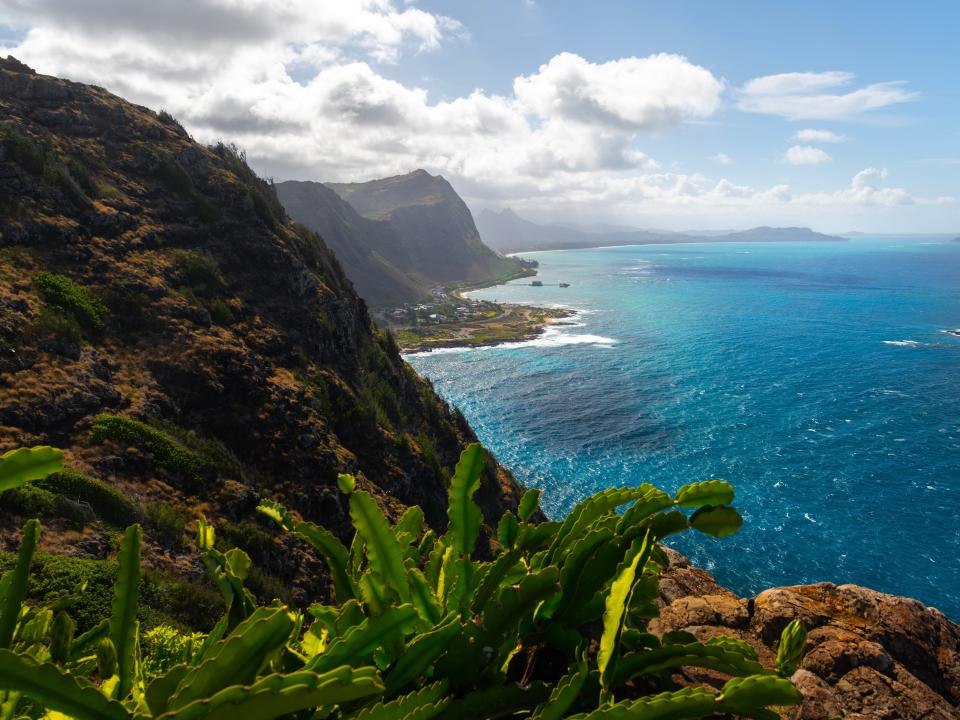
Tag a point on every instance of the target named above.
point(817, 378)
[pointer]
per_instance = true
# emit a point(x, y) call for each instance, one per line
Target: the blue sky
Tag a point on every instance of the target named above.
point(679, 114)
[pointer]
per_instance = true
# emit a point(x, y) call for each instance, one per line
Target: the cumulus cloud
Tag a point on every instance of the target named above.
point(806, 155)
point(819, 136)
point(637, 94)
point(819, 96)
point(722, 159)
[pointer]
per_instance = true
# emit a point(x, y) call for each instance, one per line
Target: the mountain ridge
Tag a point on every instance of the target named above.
point(508, 232)
point(189, 347)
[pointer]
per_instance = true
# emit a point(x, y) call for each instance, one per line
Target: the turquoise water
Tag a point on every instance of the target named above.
point(815, 377)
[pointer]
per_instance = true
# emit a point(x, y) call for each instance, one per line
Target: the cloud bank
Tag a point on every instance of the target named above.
point(306, 94)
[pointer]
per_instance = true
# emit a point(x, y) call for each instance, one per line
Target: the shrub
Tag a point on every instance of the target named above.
point(172, 175)
point(24, 151)
point(220, 312)
point(62, 293)
point(168, 453)
point(108, 504)
point(266, 204)
point(55, 324)
point(198, 270)
point(34, 501)
point(167, 523)
point(165, 646)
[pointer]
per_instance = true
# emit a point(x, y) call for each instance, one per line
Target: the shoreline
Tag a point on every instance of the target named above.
point(516, 324)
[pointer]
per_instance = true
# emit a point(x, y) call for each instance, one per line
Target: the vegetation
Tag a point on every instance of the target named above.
point(191, 467)
point(167, 522)
point(77, 302)
point(263, 194)
point(553, 625)
point(107, 504)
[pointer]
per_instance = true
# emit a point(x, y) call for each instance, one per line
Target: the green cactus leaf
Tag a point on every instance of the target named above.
point(56, 690)
point(162, 688)
point(579, 579)
point(383, 550)
point(276, 512)
point(280, 695)
point(515, 601)
point(529, 504)
point(358, 642)
point(678, 705)
point(585, 514)
point(123, 618)
point(465, 516)
point(712, 657)
point(409, 526)
point(615, 609)
point(706, 492)
point(424, 599)
point(564, 695)
point(491, 578)
point(497, 702)
point(716, 521)
point(652, 501)
point(14, 583)
point(346, 483)
point(237, 658)
point(508, 529)
point(333, 552)
point(61, 637)
point(744, 694)
point(793, 641)
point(419, 654)
point(420, 705)
point(20, 466)
point(89, 639)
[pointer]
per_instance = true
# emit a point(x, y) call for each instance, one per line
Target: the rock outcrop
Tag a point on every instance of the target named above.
point(870, 656)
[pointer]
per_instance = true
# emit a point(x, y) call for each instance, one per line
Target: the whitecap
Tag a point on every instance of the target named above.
point(808, 517)
point(903, 343)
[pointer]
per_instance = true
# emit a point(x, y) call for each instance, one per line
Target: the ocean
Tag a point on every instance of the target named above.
point(816, 377)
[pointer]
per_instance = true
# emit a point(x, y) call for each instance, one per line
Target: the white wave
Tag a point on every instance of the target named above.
point(557, 337)
point(903, 343)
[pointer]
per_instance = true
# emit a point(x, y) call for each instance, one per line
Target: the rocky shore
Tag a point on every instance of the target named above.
point(870, 656)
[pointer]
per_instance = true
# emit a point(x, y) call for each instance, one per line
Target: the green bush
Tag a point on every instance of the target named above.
point(34, 501)
point(198, 270)
point(165, 646)
point(167, 523)
point(168, 453)
point(266, 204)
point(220, 312)
point(77, 302)
point(108, 504)
point(59, 325)
point(24, 151)
point(172, 174)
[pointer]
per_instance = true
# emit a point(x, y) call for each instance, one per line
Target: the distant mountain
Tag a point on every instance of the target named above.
point(435, 235)
point(508, 232)
point(362, 245)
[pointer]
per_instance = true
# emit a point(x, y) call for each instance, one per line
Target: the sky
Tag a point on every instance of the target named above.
point(682, 115)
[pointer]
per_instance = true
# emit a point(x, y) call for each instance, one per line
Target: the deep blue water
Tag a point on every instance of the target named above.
point(815, 377)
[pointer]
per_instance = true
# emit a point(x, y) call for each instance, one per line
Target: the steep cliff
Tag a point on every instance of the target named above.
point(437, 236)
point(360, 244)
point(189, 347)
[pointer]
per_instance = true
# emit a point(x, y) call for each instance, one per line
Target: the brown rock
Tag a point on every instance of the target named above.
point(870, 656)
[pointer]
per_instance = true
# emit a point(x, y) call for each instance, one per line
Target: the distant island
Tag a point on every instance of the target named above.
point(508, 232)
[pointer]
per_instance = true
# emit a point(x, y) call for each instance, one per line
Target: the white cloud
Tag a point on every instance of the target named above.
point(806, 155)
point(819, 136)
point(305, 96)
point(636, 94)
point(823, 96)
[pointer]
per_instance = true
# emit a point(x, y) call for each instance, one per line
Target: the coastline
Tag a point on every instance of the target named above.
point(516, 323)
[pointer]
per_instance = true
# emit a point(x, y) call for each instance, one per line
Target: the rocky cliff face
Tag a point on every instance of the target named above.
point(437, 236)
point(188, 346)
point(870, 656)
point(360, 244)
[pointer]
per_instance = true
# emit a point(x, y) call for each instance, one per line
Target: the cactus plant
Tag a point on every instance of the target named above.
point(553, 625)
